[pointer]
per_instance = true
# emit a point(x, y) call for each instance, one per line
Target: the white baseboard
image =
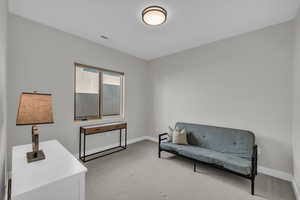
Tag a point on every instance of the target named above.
point(150, 138)
point(296, 189)
point(281, 175)
point(275, 173)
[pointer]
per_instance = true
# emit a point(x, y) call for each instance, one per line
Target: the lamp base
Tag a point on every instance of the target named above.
point(35, 156)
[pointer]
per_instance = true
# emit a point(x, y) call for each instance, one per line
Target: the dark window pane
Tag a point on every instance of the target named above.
point(111, 94)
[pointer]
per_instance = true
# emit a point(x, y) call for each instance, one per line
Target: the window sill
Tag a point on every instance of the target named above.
point(105, 120)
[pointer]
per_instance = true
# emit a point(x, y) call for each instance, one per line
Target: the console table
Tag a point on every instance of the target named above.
point(101, 128)
point(60, 176)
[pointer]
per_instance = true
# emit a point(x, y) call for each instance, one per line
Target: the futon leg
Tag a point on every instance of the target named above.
point(159, 153)
point(252, 185)
point(195, 166)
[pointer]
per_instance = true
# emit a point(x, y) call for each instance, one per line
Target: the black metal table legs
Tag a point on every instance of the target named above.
point(92, 156)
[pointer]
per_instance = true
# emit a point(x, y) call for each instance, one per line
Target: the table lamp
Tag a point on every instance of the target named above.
point(35, 108)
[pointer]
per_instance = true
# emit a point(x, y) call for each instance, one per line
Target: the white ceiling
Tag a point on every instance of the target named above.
point(190, 22)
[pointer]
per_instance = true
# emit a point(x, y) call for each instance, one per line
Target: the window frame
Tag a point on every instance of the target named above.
point(100, 116)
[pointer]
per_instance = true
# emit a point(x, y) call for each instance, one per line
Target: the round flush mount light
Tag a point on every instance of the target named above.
point(154, 15)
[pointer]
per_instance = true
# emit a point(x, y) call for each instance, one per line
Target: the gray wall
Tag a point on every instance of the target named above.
point(296, 102)
point(242, 82)
point(3, 25)
point(41, 58)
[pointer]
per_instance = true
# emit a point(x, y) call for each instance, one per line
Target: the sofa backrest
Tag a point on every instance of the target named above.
point(225, 140)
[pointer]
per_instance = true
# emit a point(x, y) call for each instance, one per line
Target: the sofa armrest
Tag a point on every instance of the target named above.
point(161, 138)
point(254, 160)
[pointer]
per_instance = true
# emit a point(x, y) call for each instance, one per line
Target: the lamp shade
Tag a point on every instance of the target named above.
point(35, 108)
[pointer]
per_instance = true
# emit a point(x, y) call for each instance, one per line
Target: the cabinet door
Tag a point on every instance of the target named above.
point(68, 188)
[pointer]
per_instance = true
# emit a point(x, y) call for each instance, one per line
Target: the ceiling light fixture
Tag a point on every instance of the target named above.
point(154, 15)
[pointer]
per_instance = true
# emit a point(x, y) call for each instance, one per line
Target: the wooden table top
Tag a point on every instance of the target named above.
point(99, 128)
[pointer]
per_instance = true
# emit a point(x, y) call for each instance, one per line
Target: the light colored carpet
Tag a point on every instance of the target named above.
point(138, 174)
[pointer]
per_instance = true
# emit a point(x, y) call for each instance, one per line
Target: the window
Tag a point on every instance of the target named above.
point(98, 93)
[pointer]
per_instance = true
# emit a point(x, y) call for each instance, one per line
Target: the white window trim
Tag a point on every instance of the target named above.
point(107, 119)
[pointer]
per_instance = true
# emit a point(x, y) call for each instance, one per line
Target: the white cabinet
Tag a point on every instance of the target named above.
point(60, 176)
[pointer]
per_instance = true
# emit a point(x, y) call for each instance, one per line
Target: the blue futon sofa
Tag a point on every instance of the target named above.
point(229, 149)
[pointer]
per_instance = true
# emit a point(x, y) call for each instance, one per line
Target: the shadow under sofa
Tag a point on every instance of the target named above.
point(232, 150)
